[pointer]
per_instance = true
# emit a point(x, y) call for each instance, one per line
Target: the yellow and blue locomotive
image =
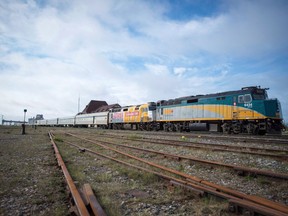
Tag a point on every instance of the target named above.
point(247, 110)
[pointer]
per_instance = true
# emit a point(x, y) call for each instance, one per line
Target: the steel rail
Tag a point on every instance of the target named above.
point(195, 180)
point(234, 167)
point(210, 147)
point(82, 210)
point(196, 189)
point(242, 138)
point(94, 204)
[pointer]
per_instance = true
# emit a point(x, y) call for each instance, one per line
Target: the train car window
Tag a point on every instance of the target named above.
point(240, 99)
point(161, 111)
point(137, 108)
point(126, 109)
point(192, 100)
point(221, 98)
point(247, 98)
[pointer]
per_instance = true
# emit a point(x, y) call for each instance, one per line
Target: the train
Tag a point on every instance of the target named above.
point(248, 110)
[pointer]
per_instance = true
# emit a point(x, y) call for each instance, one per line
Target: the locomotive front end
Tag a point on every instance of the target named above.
point(274, 116)
point(270, 109)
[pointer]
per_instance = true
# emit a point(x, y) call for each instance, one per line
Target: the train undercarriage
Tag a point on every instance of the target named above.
point(257, 127)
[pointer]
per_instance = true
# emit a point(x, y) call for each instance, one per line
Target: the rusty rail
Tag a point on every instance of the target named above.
point(214, 147)
point(216, 135)
point(270, 207)
point(92, 201)
point(82, 210)
point(234, 167)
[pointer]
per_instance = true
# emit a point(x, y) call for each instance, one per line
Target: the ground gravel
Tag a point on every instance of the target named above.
point(31, 182)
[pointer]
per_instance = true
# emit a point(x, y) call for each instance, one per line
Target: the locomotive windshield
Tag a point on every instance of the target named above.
point(260, 94)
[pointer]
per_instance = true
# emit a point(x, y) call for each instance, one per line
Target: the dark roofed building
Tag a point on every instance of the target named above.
point(93, 106)
point(98, 106)
point(107, 107)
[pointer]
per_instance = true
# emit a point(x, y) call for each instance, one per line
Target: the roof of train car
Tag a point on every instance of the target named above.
point(221, 94)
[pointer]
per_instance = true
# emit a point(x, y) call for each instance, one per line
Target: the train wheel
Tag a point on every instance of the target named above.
point(226, 128)
point(250, 127)
point(178, 128)
point(236, 127)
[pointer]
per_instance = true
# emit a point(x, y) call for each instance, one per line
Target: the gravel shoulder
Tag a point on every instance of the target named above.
point(31, 182)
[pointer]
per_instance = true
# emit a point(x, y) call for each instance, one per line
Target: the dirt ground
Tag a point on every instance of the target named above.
point(31, 182)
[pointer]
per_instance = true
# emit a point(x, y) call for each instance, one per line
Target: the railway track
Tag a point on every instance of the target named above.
point(211, 146)
point(82, 203)
point(268, 139)
point(236, 199)
point(240, 169)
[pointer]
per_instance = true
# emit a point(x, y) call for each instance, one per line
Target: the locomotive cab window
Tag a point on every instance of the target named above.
point(240, 99)
point(247, 98)
point(260, 94)
point(244, 98)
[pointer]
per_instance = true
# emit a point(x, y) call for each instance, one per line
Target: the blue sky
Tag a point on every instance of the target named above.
point(132, 52)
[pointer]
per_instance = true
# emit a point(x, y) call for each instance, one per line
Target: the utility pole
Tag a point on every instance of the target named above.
point(23, 125)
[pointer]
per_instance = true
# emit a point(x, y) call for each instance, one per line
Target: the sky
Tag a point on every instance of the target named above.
point(53, 52)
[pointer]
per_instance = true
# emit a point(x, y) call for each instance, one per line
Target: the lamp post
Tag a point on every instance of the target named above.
point(23, 125)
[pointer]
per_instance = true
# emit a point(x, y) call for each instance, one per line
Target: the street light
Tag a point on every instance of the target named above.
point(23, 125)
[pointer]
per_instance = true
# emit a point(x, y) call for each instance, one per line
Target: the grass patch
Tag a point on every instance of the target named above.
point(58, 139)
point(183, 138)
point(111, 208)
point(263, 181)
point(134, 137)
point(103, 177)
point(181, 168)
point(249, 177)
